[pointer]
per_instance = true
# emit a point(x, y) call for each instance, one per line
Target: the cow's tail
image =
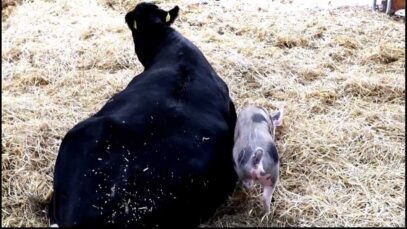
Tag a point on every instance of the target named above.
point(50, 200)
point(48, 197)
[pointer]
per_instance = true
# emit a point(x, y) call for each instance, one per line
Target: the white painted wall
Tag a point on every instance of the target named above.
point(332, 3)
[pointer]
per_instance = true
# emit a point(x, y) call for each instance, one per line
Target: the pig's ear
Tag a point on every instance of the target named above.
point(278, 118)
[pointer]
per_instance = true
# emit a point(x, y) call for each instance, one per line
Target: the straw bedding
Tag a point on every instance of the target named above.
point(338, 73)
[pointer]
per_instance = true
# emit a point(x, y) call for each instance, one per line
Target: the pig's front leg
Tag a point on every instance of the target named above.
point(267, 195)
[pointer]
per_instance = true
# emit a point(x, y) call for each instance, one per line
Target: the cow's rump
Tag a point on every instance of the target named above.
point(147, 158)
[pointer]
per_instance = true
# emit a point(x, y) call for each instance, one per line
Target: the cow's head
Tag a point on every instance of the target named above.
point(148, 17)
point(149, 25)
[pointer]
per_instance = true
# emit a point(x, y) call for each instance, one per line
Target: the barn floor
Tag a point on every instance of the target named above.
point(338, 73)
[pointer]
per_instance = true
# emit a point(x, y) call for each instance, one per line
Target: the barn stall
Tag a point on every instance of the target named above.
point(337, 70)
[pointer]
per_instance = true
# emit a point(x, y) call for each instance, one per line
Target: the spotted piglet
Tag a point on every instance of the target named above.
point(254, 152)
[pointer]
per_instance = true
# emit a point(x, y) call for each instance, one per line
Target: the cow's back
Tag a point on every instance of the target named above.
point(158, 152)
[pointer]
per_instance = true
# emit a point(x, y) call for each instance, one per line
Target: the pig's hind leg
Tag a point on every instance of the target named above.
point(268, 189)
point(248, 183)
point(267, 195)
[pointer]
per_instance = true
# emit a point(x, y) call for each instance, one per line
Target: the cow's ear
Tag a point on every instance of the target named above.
point(172, 15)
point(131, 20)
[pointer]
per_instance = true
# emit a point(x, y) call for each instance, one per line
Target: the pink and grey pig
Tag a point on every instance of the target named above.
point(254, 152)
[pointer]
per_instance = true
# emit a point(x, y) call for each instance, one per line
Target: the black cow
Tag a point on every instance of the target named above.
point(159, 153)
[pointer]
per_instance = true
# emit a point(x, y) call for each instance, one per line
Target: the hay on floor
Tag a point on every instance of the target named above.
point(338, 73)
